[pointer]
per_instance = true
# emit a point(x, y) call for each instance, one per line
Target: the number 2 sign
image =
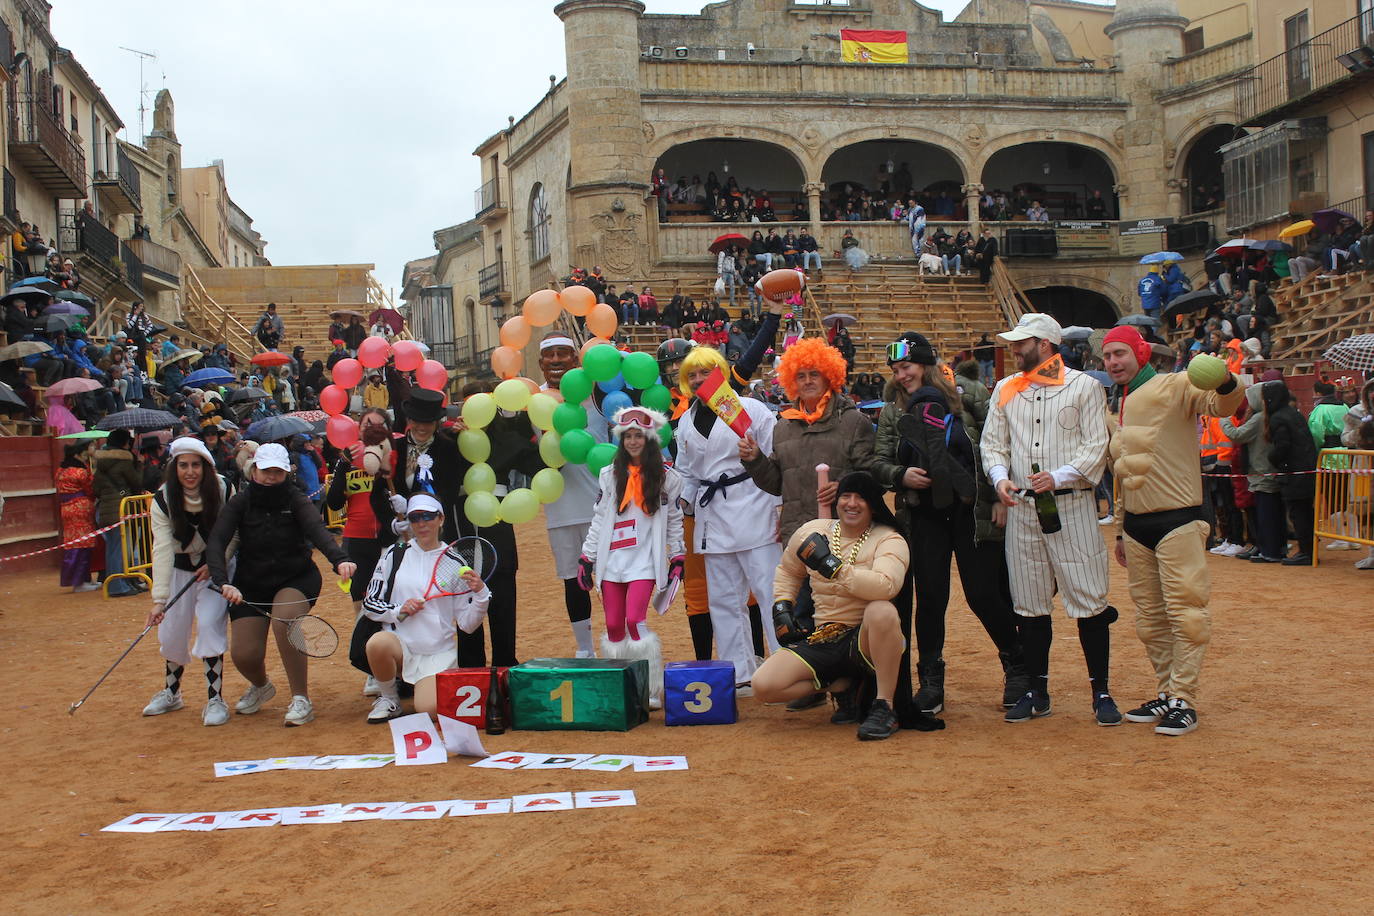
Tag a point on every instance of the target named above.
point(462, 693)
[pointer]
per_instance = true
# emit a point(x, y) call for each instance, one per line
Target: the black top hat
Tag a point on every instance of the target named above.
point(424, 406)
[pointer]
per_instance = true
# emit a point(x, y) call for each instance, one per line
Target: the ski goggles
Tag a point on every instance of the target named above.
point(900, 351)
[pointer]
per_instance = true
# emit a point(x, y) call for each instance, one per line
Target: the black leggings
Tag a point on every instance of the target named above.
point(982, 572)
point(472, 647)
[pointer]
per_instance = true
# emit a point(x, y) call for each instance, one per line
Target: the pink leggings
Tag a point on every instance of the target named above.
point(625, 604)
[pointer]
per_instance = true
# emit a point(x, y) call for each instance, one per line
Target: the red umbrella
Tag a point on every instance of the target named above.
point(727, 240)
point(271, 358)
point(1235, 248)
point(390, 317)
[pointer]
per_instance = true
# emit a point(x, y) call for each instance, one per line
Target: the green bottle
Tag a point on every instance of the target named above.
point(1046, 508)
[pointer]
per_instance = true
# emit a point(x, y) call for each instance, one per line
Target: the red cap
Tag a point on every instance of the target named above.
point(1130, 337)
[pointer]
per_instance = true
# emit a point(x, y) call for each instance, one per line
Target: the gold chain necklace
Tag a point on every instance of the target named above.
point(853, 551)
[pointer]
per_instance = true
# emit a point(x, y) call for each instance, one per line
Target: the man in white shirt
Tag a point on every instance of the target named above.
point(1046, 434)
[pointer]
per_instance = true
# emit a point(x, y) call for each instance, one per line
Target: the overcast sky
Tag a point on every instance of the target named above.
point(346, 127)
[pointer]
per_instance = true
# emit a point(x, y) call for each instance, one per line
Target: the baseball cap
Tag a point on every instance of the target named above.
point(271, 455)
point(1035, 324)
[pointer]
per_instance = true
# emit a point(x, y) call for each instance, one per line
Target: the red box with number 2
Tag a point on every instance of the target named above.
point(462, 694)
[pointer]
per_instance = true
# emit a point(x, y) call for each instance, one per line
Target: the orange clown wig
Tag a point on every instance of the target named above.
point(811, 353)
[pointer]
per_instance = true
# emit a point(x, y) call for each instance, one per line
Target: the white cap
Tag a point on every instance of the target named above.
point(423, 502)
point(1035, 324)
point(190, 445)
point(271, 455)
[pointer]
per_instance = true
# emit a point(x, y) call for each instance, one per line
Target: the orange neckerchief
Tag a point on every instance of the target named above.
point(1050, 372)
point(634, 489)
point(795, 413)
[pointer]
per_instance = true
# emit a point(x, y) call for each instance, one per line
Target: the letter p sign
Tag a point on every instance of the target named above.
point(416, 741)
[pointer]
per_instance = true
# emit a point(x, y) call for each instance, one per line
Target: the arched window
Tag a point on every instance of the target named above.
point(539, 223)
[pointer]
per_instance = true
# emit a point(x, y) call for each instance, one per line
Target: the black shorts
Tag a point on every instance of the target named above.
point(307, 583)
point(832, 659)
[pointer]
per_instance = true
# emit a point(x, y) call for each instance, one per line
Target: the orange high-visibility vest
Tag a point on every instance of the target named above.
point(1235, 356)
point(1215, 443)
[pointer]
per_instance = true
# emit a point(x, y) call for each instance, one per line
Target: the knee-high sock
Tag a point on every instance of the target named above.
point(174, 677)
point(214, 676)
point(756, 630)
point(1037, 634)
point(1096, 640)
point(579, 605)
point(700, 625)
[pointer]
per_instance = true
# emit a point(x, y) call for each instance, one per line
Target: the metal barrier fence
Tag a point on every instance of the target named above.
point(333, 520)
point(1344, 509)
point(136, 541)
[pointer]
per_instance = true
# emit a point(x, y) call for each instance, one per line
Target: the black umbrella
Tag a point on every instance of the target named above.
point(8, 398)
point(1190, 302)
point(271, 429)
point(139, 418)
point(1139, 321)
point(54, 323)
point(245, 394)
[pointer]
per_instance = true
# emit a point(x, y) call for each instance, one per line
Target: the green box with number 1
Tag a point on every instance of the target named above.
point(579, 694)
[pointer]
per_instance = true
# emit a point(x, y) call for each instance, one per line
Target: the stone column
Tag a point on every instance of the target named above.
point(813, 191)
point(1178, 189)
point(973, 196)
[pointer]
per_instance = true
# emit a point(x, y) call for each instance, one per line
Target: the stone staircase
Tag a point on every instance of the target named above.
point(1317, 313)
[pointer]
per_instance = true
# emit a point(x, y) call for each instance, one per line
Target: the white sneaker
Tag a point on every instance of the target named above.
point(86, 587)
point(1236, 550)
point(655, 702)
point(300, 711)
point(1222, 549)
point(744, 690)
point(1341, 545)
point(216, 713)
point(383, 710)
point(163, 701)
point(370, 687)
point(1366, 563)
point(585, 653)
point(254, 697)
point(1108, 519)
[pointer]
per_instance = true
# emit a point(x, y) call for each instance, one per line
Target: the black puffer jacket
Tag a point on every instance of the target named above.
point(276, 527)
point(1292, 449)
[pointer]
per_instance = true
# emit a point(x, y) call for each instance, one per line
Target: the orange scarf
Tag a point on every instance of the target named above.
point(634, 489)
point(1050, 372)
point(796, 413)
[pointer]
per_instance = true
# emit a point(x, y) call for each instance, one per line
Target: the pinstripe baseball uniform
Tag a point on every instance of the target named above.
point(1063, 429)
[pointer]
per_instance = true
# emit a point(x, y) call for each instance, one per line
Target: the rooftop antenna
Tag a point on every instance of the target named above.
point(142, 86)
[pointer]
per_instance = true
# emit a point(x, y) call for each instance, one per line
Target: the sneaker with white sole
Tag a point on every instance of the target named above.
point(584, 653)
point(1150, 710)
point(1222, 549)
point(371, 688)
point(163, 701)
point(1366, 563)
point(1179, 720)
point(86, 587)
point(1108, 519)
point(254, 697)
point(744, 690)
point(300, 711)
point(384, 710)
point(216, 713)
point(1342, 545)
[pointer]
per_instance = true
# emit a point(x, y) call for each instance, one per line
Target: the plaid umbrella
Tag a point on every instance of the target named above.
point(1353, 353)
point(139, 418)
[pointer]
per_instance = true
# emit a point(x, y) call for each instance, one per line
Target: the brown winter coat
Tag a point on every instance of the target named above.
point(116, 476)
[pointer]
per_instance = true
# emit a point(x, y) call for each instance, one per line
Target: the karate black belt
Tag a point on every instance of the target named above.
point(719, 485)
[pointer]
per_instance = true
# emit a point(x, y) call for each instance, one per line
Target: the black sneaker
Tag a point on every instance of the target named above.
point(1104, 709)
point(1179, 720)
point(846, 707)
point(881, 722)
point(810, 701)
point(1247, 553)
point(1301, 559)
point(1033, 705)
point(1149, 711)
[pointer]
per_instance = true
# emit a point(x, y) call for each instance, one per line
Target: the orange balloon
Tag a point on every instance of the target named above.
point(507, 362)
point(602, 321)
point(578, 300)
point(531, 384)
point(542, 308)
point(593, 342)
point(515, 333)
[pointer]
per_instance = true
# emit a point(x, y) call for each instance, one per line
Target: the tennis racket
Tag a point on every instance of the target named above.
point(308, 634)
point(466, 553)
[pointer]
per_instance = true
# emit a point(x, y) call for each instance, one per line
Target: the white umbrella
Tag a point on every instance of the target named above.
point(839, 318)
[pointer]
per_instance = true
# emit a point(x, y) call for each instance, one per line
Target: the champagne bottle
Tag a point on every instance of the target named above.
point(496, 702)
point(1046, 508)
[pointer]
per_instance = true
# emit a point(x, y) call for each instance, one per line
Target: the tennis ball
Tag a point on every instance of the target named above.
point(1207, 372)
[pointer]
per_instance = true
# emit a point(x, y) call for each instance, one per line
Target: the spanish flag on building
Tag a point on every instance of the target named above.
point(872, 46)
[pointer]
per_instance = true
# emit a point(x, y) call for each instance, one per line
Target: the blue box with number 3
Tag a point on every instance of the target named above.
point(699, 693)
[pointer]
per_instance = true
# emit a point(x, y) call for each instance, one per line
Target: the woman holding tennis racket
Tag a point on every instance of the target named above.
point(184, 511)
point(276, 524)
point(636, 528)
point(422, 592)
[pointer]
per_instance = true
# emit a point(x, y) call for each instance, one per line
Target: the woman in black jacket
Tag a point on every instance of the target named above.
point(276, 525)
point(1293, 452)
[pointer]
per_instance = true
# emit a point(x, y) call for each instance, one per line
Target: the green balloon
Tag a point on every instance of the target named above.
point(640, 370)
point(602, 454)
point(482, 509)
point(567, 417)
point(575, 444)
point(480, 478)
point(657, 398)
point(665, 435)
point(474, 445)
point(601, 364)
point(575, 386)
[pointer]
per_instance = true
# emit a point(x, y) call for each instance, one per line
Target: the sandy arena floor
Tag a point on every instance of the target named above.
point(1266, 805)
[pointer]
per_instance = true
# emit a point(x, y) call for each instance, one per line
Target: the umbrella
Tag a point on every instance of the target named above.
point(346, 313)
point(1325, 220)
point(1301, 227)
point(872, 405)
point(202, 377)
point(179, 355)
point(1190, 302)
point(839, 318)
point(424, 347)
point(271, 429)
point(7, 396)
point(23, 348)
point(1159, 257)
point(316, 418)
point(727, 240)
point(55, 323)
point(25, 294)
point(140, 418)
point(71, 295)
point(73, 386)
point(1139, 321)
point(391, 317)
point(44, 283)
point(245, 394)
point(66, 308)
point(1077, 332)
point(1353, 353)
point(227, 424)
point(271, 358)
point(1271, 245)
point(1235, 248)
point(87, 434)
point(1102, 377)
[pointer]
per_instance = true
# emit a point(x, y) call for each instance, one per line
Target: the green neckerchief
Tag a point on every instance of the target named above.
point(1146, 373)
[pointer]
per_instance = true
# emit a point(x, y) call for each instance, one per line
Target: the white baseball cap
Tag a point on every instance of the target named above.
point(271, 455)
point(423, 502)
point(1035, 324)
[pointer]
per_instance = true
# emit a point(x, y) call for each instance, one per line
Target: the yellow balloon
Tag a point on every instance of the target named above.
point(547, 485)
point(519, 506)
point(482, 509)
point(478, 410)
point(512, 394)
point(541, 408)
point(480, 478)
point(474, 445)
point(550, 450)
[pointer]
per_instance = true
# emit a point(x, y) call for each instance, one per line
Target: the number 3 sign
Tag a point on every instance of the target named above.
point(699, 693)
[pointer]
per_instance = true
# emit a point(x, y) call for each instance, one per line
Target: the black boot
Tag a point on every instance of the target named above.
point(1015, 682)
point(930, 698)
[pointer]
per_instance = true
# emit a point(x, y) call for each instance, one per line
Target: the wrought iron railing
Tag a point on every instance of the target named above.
point(490, 280)
point(447, 352)
point(80, 234)
point(481, 361)
point(32, 123)
point(1327, 58)
point(126, 174)
point(488, 196)
point(133, 268)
